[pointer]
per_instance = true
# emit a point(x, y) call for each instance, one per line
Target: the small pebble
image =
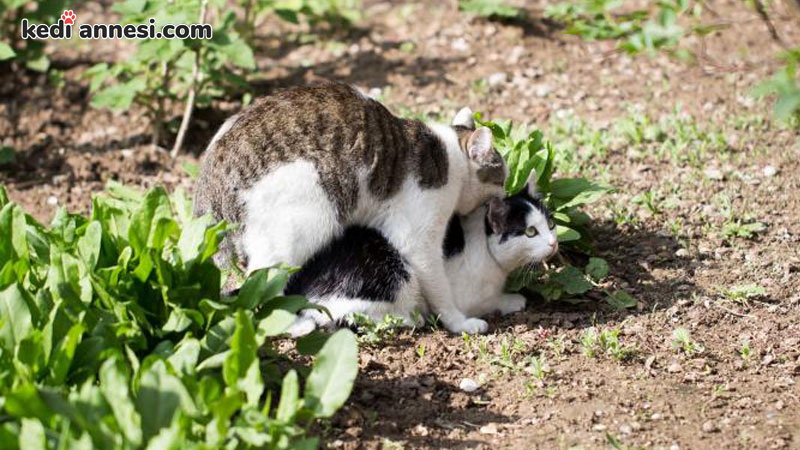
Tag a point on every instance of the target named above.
point(674, 368)
point(497, 78)
point(52, 200)
point(468, 385)
point(490, 428)
point(713, 174)
point(710, 427)
point(769, 171)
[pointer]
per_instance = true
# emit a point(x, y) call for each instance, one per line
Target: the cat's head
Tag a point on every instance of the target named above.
point(487, 169)
point(520, 230)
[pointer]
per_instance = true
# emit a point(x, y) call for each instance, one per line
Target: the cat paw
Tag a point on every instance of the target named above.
point(471, 326)
point(511, 303)
point(301, 327)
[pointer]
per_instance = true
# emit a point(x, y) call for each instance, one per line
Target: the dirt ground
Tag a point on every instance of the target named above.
point(427, 57)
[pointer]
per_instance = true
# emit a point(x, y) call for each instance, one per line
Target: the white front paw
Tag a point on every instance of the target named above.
point(301, 327)
point(471, 326)
point(511, 303)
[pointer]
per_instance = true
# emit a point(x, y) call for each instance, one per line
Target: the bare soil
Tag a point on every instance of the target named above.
point(428, 57)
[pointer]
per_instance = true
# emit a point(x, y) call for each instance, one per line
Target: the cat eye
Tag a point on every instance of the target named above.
point(551, 224)
point(531, 232)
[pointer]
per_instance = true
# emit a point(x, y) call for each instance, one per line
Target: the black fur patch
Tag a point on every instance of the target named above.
point(454, 238)
point(359, 264)
point(519, 206)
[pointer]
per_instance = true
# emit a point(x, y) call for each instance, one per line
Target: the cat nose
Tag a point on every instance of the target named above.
point(552, 242)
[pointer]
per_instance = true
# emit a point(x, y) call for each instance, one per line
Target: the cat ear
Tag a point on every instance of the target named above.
point(464, 118)
point(479, 145)
point(497, 214)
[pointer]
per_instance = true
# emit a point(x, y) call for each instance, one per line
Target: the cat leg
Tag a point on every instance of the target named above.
point(436, 289)
point(302, 326)
point(510, 303)
point(289, 217)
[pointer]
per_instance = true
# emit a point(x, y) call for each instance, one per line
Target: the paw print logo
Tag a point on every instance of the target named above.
point(69, 17)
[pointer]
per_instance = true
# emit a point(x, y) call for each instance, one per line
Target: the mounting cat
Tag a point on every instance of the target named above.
point(298, 167)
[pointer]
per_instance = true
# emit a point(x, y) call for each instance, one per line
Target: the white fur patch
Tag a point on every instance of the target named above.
point(464, 118)
point(288, 217)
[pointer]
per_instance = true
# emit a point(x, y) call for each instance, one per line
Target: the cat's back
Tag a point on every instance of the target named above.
point(332, 125)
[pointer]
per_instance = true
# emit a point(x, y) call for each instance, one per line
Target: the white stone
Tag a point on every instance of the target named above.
point(468, 385)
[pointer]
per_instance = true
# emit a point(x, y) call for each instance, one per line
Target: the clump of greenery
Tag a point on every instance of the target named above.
point(113, 334)
point(606, 342)
point(638, 31)
point(162, 72)
point(784, 86)
point(531, 158)
point(489, 8)
point(30, 52)
point(371, 332)
point(682, 340)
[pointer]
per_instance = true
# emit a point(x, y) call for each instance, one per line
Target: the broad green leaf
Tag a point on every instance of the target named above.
point(275, 324)
point(311, 343)
point(64, 353)
point(7, 155)
point(241, 367)
point(6, 52)
point(18, 321)
point(572, 280)
point(597, 268)
point(184, 359)
point(114, 384)
point(261, 286)
point(290, 398)
point(333, 374)
point(566, 234)
point(152, 223)
point(32, 435)
point(159, 397)
point(89, 244)
point(621, 300)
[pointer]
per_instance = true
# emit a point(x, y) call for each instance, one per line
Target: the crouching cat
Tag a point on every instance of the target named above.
point(362, 272)
point(298, 167)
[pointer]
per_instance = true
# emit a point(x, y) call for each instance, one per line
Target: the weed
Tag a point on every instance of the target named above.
point(421, 351)
point(682, 340)
point(489, 8)
point(744, 352)
point(371, 332)
point(606, 342)
point(589, 343)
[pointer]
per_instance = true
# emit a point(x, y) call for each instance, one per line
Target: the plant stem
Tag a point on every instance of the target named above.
point(187, 113)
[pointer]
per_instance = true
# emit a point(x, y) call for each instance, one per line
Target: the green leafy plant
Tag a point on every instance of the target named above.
point(337, 14)
point(637, 31)
point(489, 8)
point(30, 52)
point(371, 332)
point(784, 86)
point(163, 73)
point(532, 159)
point(114, 335)
point(606, 342)
point(744, 352)
point(682, 340)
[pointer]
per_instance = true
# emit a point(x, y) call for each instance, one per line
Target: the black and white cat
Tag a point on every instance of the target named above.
point(361, 272)
point(300, 166)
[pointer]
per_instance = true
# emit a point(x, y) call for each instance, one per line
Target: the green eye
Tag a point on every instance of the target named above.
point(531, 232)
point(550, 223)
